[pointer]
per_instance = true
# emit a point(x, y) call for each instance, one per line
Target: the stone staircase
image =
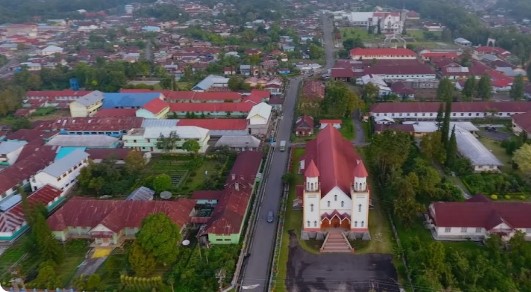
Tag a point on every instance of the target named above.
point(336, 241)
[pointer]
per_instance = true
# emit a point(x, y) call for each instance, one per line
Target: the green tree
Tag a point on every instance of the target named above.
point(47, 278)
point(517, 89)
point(142, 262)
point(451, 150)
point(370, 93)
point(528, 71)
point(445, 129)
point(94, 282)
point(168, 143)
point(469, 88)
point(389, 151)
point(41, 237)
point(235, 83)
point(339, 101)
point(160, 237)
point(440, 116)
point(316, 52)
point(484, 88)
point(161, 182)
point(352, 43)
point(134, 162)
point(191, 146)
point(432, 147)
point(522, 157)
point(445, 91)
point(405, 204)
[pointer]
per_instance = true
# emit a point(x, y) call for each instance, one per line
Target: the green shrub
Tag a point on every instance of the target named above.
point(507, 197)
point(494, 197)
point(522, 197)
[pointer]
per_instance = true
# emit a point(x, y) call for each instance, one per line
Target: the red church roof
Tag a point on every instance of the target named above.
point(312, 170)
point(360, 170)
point(335, 158)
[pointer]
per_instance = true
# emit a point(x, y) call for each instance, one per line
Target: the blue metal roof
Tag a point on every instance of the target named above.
point(9, 202)
point(128, 100)
point(65, 151)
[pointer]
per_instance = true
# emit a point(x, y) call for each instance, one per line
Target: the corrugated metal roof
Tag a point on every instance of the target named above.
point(10, 146)
point(62, 165)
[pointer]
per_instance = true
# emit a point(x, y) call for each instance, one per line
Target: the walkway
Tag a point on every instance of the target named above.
point(336, 241)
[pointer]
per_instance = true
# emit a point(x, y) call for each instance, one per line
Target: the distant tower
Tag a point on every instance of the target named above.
point(360, 202)
point(128, 9)
point(491, 42)
point(312, 199)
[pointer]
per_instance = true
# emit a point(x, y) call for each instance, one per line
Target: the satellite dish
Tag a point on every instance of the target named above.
point(165, 195)
point(186, 242)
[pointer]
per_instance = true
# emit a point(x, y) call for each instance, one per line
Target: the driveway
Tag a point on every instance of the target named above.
point(496, 135)
point(338, 272)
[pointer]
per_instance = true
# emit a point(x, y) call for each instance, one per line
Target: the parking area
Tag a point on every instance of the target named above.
point(495, 135)
point(338, 271)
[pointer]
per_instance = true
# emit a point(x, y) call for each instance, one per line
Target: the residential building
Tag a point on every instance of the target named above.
point(462, 42)
point(218, 127)
point(132, 100)
point(63, 173)
point(405, 71)
point(225, 225)
point(146, 139)
point(313, 89)
point(84, 141)
point(111, 126)
point(478, 218)
point(212, 83)
point(481, 158)
point(382, 54)
point(522, 123)
point(259, 119)
point(460, 110)
point(10, 151)
point(87, 105)
point(304, 126)
point(239, 143)
point(335, 193)
point(154, 109)
point(112, 222)
point(12, 220)
point(51, 50)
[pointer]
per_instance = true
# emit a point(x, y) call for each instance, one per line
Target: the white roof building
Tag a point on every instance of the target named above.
point(63, 173)
point(10, 150)
point(89, 141)
point(50, 50)
point(239, 143)
point(259, 114)
point(211, 81)
point(480, 157)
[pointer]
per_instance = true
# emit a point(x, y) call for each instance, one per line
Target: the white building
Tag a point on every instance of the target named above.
point(335, 191)
point(478, 218)
point(462, 42)
point(63, 173)
point(147, 139)
point(87, 106)
point(211, 82)
point(481, 159)
point(50, 50)
point(10, 150)
point(259, 118)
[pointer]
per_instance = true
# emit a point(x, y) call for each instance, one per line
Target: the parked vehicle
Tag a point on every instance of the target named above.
point(270, 217)
point(282, 145)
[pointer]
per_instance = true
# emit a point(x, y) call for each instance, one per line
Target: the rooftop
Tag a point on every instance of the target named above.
point(62, 165)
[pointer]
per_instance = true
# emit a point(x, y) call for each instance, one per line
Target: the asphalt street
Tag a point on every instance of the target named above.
point(256, 269)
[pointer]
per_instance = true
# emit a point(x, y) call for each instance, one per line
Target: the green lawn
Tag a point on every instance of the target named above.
point(353, 32)
point(347, 129)
point(498, 151)
point(75, 251)
point(111, 269)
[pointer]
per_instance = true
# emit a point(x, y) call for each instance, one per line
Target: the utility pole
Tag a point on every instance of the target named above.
point(220, 276)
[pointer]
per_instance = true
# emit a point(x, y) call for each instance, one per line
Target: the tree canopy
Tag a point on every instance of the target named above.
point(160, 237)
point(339, 101)
point(522, 157)
point(162, 182)
point(517, 89)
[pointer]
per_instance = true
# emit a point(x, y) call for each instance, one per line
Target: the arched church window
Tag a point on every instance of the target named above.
point(308, 223)
point(342, 204)
point(328, 203)
point(335, 198)
point(314, 223)
point(311, 209)
point(362, 223)
point(359, 208)
point(355, 223)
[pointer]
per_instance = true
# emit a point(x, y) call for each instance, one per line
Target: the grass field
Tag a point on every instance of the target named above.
point(498, 151)
point(354, 32)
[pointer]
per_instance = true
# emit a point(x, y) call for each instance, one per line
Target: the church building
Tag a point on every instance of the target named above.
point(335, 193)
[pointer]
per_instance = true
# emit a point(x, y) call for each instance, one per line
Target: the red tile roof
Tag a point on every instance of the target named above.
point(212, 107)
point(360, 170)
point(481, 214)
point(30, 135)
point(409, 69)
point(14, 217)
point(370, 52)
point(313, 88)
point(155, 106)
point(445, 55)
point(102, 153)
point(53, 94)
point(523, 121)
point(176, 96)
point(341, 73)
point(304, 122)
point(117, 215)
point(114, 112)
point(335, 158)
point(34, 157)
point(207, 195)
point(427, 107)
point(215, 124)
point(312, 170)
point(91, 124)
point(492, 50)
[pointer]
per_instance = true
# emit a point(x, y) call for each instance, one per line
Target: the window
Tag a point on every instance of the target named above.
point(328, 203)
point(463, 229)
point(355, 223)
point(308, 223)
point(478, 230)
point(359, 208)
point(314, 223)
point(335, 198)
point(469, 114)
point(447, 229)
point(311, 209)
point(342, 204)
point(362, 223)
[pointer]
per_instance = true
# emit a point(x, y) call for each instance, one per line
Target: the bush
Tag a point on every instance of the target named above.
point(507, 197)
point(522, 197)
point(494, 197)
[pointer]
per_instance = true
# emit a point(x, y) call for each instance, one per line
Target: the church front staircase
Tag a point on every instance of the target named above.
point(336, 241)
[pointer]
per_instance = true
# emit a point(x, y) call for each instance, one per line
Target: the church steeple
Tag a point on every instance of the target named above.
point(360, 177)
point(312, 177)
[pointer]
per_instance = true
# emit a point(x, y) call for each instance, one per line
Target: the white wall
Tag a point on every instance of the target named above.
point(336, 204)
point(360, 198)
point(314, 215)
point(65, 182)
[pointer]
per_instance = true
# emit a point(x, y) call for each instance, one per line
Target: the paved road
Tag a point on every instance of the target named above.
point(256, 267)
point(328, 40)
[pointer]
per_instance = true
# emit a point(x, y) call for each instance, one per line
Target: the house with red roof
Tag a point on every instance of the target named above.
point(335, 192)
point(111, 222)
point(12, 220)
point(382, 54)
point(332, 123)
point(154, 109)
point(304, 126)
point(313, 89)
point(478, 218)
point(522, 123)
point(225, 225)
